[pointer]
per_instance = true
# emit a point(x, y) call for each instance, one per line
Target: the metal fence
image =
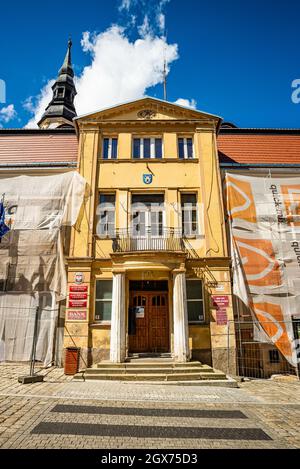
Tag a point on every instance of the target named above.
point(24, 328)
point(165, 239)
point(257, 357)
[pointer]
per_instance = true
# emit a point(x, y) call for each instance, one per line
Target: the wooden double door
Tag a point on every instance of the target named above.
point(151, 322)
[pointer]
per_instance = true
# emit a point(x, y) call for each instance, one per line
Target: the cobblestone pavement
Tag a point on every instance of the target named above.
point(62, 413)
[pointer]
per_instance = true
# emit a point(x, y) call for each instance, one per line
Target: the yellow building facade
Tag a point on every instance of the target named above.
point(148, 270)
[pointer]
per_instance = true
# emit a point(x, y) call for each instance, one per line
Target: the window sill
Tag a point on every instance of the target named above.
point(152, 160)
point(191, 236)
point(100, 323)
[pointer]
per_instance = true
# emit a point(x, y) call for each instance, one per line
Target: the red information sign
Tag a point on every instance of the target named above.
point(220, 300)
point(77, 304)
point(76, 315)
point(78, 288)
point(78, 296)
point(221, 316)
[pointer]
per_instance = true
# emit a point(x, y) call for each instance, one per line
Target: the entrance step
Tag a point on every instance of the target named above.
point(151, 370)
point(139, 356)
point(143, 371)
point(154, 376)
point(141, 364)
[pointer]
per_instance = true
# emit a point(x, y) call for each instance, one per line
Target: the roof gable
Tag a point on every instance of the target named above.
point(147, 108)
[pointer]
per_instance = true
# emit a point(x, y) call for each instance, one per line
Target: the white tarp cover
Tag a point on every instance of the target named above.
point(32, 269)
point(264, 216)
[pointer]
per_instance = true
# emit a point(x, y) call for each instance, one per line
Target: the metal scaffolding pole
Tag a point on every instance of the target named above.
point(32, 378)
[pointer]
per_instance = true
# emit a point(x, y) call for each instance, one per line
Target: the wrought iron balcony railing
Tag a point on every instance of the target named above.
point(128, 240)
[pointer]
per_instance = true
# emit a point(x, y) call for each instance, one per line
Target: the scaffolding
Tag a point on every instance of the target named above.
point(32, 266)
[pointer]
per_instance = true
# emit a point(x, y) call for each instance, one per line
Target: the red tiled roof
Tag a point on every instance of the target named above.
point(25, 148)
point(252, 148)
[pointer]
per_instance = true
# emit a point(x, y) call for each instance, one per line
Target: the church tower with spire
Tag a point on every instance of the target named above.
point(61, 111)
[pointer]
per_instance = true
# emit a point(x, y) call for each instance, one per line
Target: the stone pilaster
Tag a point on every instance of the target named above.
point(117, 332)
point(180, 318)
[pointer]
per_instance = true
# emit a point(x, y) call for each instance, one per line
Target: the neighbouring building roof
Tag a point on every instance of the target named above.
point(239, 147)
point(30, 147)
point(259, 147)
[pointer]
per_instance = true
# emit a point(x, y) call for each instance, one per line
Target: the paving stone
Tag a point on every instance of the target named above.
point(261, 407)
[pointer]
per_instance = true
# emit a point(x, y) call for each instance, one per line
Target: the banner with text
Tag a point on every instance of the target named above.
point(264, 219)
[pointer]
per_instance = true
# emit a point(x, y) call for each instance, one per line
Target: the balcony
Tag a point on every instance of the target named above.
point(127, 241)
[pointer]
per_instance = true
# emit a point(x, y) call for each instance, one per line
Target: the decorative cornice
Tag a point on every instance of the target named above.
point(140, 122)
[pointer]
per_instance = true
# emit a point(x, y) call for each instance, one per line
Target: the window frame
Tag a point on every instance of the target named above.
point(185, 147)
point(194, 300)
point(110, 138)
point(190, 235)
point(60, 92)
point(102, 321)
point(152, 147)
point(98, 217)
point(155, 209)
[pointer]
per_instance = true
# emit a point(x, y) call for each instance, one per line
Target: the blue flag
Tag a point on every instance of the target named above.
point(3, 227)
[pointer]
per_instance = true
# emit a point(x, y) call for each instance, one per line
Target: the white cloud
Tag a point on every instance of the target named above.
point(161, 20)
point(7, 113)
point(145, 28)
point(125, 5)
point(186, 103)
point(37, 104)
point(160, 17)
point(120, 70)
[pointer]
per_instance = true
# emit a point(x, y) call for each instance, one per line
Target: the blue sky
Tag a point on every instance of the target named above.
point(236, 59)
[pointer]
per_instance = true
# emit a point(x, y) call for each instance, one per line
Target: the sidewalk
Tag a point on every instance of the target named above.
point(271, 406)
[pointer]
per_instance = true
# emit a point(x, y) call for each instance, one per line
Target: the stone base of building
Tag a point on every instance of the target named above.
point(224, 360)
point(203, 356)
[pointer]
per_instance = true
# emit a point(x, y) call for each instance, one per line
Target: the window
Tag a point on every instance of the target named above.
point(106, 215)
point(147, 148)
point(185, 147)
point(194, 295)
point(147, 212)
point(60, 92)
point(103, 300)
point(189, 217)
point(110, 148)
point(274, 356)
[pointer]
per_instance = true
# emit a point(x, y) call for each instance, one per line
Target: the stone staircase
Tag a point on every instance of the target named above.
point(157, 371)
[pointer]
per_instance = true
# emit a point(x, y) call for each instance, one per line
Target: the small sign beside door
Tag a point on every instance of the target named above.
point(78, 288)
point(76, 315)
point(77, 304)
point(139, 312)
point(221, 302)
point(78, 296)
